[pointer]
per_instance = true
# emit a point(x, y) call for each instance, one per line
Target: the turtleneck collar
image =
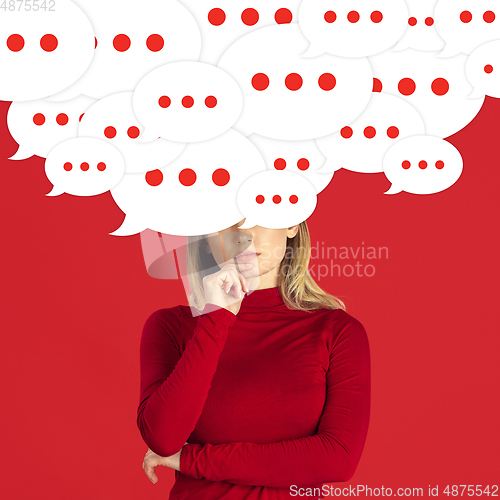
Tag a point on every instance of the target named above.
point(262, 299)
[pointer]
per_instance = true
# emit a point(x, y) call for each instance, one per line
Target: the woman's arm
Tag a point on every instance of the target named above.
point(174, 387)
point(331, 455)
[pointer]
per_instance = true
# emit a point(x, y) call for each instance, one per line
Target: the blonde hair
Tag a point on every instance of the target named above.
point(296, 286)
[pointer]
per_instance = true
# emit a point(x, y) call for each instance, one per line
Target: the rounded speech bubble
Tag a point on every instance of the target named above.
point(276, 199)
point(222, 24)
point(361, 145)
point(112, 119)
point(194, 195)
point(188, 101)
point(132, 39)
point(44, 51)
point(289, 97)
point(466, 24)
point(38, 126)
point(301, 157)
point(437, 88)
point(352, 29)
point(422, 165)
point(84, 166)
point(421, 33)
point(483, 70)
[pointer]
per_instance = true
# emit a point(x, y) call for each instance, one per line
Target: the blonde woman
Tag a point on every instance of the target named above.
point(266, 393)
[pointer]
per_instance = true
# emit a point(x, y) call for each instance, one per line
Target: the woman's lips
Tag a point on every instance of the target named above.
point(244, 257)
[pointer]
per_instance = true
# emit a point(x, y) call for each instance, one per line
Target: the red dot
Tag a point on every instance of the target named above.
point(62, 119)
point(81, 116)
point(187, 101)
point(488, 68)
point(440, 86)
point(15, 43)
point(330, 16)
point(48, 43)
point(133, 132)
point(466, 16)
point(412, 21)
point(406, 86)
point(155, 43)
point(346, 132)
point(187, 177)
point(164, 101)
point(110, 132)
point(422, 164)
point(280, 164)
point(154, 177)
point(489, 16)
point(406, 165)
point(260, 81)
point(303, 164)
point(250, 17)
point(220, 177)
point(101, 166)
point(216, 17)
point(327, 81)
point(377, 85)
point(84, 166)
point(353, 16)
point(376, 16)
point(277, 198)
point(68, 166)
point(293, 199)
point(39, 119)
point(370, 132)
point(95, 43)
point(429, 21)
point(439, 164)
point(260, 199)
point(393, 132)
point(293, 81)
point(283, 16)
point(121, 43)
point(210, 101)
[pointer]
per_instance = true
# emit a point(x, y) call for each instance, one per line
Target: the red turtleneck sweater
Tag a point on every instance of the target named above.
point(270, 401)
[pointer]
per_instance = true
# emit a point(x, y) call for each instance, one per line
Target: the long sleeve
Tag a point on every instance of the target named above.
point(330, 455)
point(174, 387)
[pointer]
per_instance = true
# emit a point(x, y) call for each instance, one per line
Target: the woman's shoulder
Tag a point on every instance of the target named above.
point(168, 318)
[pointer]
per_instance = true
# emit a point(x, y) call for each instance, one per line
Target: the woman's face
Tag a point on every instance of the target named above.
point(262, 247)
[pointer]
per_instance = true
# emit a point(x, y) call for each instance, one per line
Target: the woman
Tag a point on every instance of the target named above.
point(272, 390)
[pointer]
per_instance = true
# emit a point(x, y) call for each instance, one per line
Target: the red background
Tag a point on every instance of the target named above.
point(74, 300)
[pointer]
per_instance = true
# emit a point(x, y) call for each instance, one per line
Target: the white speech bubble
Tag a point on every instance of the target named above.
point(42, 52)
point(276, 199)
point(301, 157)
point(422, 165)
point(84, 166)
point(196, 194)
point(362, 144)
point(466, 24)
point(38, 126)
point(421, 33)
point(188, 101)
point(437, 88)
point(221, 24)
point(352, 29)
point(483, 70)
point(112, 119)
point(289, 97)
point(131, 40)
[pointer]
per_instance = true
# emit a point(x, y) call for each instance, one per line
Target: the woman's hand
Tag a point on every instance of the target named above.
point(152, 460)
point(226, 288)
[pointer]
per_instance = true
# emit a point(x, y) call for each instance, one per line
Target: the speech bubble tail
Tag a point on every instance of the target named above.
point(147, 136)
point(448, 51)
point(129, 228)
point(393, 190)
point(475, 94)
point(313, 51)
point(248, 224)
point(20, 154)
point(401, 45)
point(55, 192)
point(328, 168)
